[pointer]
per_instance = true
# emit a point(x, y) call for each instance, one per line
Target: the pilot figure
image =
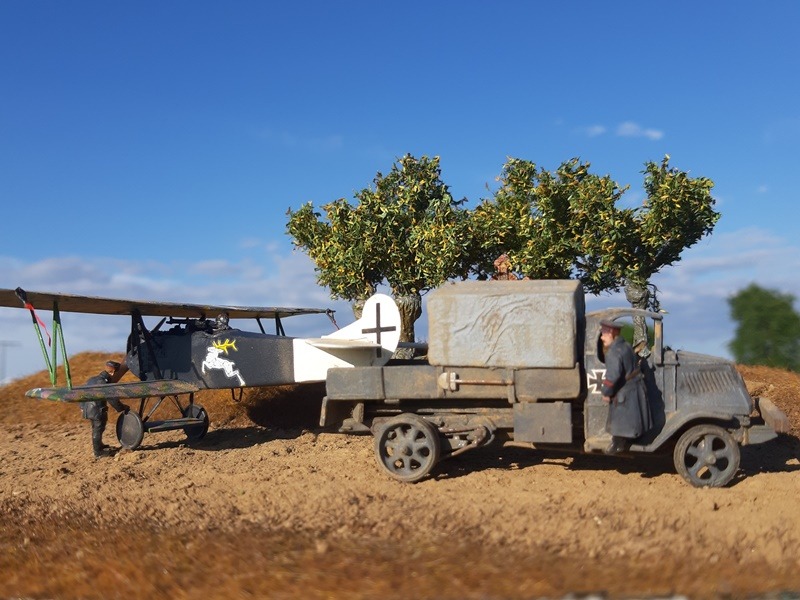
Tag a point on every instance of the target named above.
point(97, 410)
point(623, 390)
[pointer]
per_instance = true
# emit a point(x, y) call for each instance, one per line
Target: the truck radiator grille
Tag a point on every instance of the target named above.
point(707, 382)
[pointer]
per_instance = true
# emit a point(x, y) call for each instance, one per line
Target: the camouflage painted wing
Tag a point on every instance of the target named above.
point(120, 391)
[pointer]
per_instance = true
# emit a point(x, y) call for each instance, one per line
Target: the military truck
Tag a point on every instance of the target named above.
point(522, 362)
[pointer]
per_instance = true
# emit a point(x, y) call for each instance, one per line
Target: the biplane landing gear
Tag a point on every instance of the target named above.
point(407, 447)
point(130, 430)
point(132, 426)
point(195, 432)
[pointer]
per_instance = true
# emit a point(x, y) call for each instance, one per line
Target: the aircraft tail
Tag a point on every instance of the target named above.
point(369, 341)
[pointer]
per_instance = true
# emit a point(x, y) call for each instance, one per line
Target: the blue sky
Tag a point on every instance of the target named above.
point(151, 149)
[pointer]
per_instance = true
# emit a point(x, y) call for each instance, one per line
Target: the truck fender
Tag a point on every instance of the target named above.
point(677, 423)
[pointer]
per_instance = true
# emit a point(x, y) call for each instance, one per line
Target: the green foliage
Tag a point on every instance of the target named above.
point(339, 247)
point(768, 330)
point(545, 221)
point(406, 230)
point(568, 224)
point(677, 213)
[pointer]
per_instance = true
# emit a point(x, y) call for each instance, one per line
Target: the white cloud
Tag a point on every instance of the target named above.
point(626, 129)
point(250, 242)
point(595, 130)
point(283, 280)
point(631, 129)
point(694, 292)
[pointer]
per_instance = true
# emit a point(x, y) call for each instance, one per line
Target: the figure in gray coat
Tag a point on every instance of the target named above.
point(623, 390)
point(97, 410)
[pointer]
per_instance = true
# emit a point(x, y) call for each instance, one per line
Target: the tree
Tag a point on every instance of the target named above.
point(568, 224)
point(405, 231)
point(768, 330)
point(677, 212)
point(549, 224)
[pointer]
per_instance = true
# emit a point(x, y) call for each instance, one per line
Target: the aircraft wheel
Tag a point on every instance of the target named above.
point(706, 456)
point(407, 447)
point(196, 432)
point(130, 430)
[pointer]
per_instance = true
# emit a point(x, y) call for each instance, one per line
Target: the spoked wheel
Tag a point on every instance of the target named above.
point(706, 456)
point(130, 430)
point(196, 432)
point(407, 447)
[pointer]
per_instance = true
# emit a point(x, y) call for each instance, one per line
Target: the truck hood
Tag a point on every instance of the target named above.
point(711, 381)
point(685, 356)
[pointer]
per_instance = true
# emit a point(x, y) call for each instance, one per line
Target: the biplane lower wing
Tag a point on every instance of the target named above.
point(120, 391)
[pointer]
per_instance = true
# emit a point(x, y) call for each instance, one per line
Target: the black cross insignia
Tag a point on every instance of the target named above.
point(377, 330)
point(594, 380)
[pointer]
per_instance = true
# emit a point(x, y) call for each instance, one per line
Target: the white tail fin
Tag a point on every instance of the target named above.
point(370, 341)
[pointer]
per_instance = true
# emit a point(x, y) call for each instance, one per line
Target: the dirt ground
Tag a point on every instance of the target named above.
point(269, 505)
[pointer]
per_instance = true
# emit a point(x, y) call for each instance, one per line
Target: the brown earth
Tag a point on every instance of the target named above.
point(269, 505)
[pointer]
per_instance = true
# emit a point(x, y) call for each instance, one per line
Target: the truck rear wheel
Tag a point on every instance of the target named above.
point(407, 447)
point(706, 456)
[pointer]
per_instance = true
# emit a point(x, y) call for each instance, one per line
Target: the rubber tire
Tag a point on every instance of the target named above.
point(130, 430)
point(196, 432)
point(722, 446)
point(420, 460)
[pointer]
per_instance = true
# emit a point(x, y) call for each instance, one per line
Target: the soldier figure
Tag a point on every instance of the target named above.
point(502, 269)
point(623, 390)
point(97, 410)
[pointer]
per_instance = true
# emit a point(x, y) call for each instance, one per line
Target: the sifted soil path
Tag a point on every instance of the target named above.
point(269, 505)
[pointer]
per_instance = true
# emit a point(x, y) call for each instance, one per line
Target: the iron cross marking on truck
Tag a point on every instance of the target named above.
point(377, 330)
point(594, 380)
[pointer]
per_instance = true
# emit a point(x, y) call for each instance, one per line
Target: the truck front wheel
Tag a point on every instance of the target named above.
point(706, 456)
point(407, 447)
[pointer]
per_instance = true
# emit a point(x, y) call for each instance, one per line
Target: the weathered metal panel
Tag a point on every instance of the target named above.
point(512, 324)
point(543, 422)
point(708, 382)
point(357, 383)
point(551, 384)
point(417, 382)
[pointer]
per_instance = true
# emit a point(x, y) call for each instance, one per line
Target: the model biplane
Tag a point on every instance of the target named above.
point(194, 347)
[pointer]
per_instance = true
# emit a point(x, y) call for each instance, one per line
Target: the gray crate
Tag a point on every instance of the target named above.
point(511, 324)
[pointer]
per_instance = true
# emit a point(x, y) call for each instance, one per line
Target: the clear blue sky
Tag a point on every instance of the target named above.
point(151, 149)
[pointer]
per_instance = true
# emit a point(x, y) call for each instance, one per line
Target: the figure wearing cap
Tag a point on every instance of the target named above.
point(97, 410)
point(623, 389)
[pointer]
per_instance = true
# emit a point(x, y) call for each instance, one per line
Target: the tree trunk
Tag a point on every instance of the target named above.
point(639, 297)
point(358, 307)
point(410, 307)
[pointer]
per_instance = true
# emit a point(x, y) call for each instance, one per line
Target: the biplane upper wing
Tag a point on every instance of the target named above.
point(113, 306)
point(120, 391)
